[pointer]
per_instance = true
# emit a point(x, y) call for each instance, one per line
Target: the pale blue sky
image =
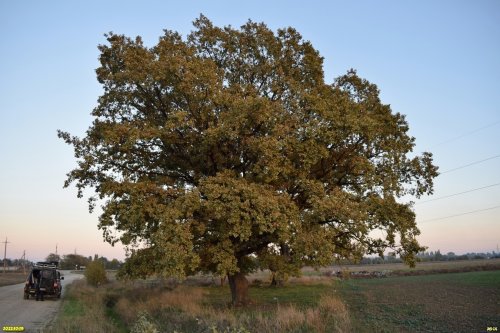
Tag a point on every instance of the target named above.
point(438, 62)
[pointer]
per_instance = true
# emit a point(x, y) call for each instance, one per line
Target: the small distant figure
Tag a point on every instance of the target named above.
point(37, 277)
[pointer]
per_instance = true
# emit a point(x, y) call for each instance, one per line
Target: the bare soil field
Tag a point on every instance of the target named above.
point(9, 278)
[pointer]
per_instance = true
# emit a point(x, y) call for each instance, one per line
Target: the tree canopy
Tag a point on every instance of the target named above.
point(227, 151)
point(53, 257)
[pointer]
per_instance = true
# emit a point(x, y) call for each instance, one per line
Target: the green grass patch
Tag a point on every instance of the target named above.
point(115, 319)
point(489, 279)
point(302, 296)
point(72, 307)
point(462, 302)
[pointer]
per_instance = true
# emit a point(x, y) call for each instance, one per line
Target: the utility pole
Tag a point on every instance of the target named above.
point(5, 256)
point(24, 262)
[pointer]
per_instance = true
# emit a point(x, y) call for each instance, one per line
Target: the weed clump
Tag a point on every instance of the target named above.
point(144, 324)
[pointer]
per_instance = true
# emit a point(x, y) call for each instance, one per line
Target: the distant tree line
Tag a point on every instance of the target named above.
point(72, 261)
point(16, 262)
point(450, 256)
point(67, 261)
point(77, 261)
point(429, 256)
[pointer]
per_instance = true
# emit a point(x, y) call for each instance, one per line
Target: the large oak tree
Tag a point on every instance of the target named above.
point(227, 151)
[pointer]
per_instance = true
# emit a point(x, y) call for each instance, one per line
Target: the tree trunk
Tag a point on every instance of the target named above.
point(239, 289)
point(273, 280)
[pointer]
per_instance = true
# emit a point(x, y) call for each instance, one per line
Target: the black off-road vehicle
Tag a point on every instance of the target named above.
point(44, 279)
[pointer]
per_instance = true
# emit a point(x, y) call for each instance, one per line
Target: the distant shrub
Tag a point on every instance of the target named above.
point(95, 273)
point(346, 274)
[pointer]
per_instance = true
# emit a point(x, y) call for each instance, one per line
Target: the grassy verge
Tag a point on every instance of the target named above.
point(135, 307)
point(83, 310)
point(457, 302)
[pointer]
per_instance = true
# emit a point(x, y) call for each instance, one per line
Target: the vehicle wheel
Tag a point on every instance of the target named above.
point(26, 295)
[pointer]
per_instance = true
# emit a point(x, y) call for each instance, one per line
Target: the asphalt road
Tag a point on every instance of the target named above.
point(30, 314)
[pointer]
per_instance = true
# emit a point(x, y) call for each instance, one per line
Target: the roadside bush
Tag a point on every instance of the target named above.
point(95, 273)
point(346, 274)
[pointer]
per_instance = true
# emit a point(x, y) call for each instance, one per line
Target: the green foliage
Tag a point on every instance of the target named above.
point(113, 264)
point(71, 261)
point(95, 273)
point(228, 149)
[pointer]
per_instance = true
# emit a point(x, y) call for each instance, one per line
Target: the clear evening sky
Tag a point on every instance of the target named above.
point(438, 62)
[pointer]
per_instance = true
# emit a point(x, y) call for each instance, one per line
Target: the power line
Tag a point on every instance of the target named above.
point(455, 194)
point(467, 133)
point(470, 164)
point(461, 214)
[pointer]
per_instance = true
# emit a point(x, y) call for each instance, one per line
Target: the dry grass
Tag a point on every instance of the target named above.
point(189, 303)
point(117, 307)
point(9, 278)
point(288, 317)
point(308, 280)
point(329, 316)
point(141, 299)
point(333, 306)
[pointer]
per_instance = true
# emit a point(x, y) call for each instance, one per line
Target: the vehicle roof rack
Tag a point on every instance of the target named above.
point(45, 264)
